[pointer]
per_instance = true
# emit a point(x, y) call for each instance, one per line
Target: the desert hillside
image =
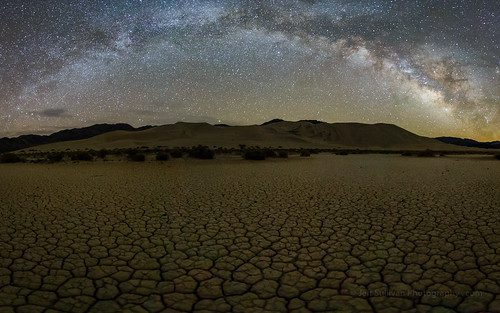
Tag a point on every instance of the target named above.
point(27, 141)
point(301, 134)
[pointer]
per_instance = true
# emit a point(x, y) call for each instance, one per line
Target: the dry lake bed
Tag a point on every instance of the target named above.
point(355, 233)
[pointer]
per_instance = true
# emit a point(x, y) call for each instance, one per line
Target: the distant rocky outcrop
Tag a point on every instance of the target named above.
point(464, 142)
point(276, 120)
point(313, 121)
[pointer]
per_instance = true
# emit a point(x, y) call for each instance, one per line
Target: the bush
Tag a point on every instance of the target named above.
point(497, 156)
point(283, 154)
point(254, 154)
point(342, 153)
point(135, 156)
point(176, 154)
point(202, 152)
point(138, 157)
point(162, 156)
point(305, 153)
point(55, 157)
point(81, 156)
point(270, 153)
point(10, 158)
point(407, 154)
point(426, 153)
point(102, 154)
point(222, 150)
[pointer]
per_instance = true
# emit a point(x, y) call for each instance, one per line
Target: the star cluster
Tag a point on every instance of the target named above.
point(432, 67)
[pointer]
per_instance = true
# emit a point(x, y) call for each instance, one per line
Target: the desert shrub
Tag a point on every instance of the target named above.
point(270, 153)
point(10, 158)
point(202, 152)
point(131, 151)
point(102, 154)
point(426, 153)
point(81, 156)
point(380, 151)
point(283, 154)
point(407, 154)
point(305, 153)
point(134, 156)
point(222, 150)
point(497, 156)
point(176, 153)
point(55, 157)
point(254, 154)
point(342, 152)
point(162, 156)
point(117, 152)
point(138, 157)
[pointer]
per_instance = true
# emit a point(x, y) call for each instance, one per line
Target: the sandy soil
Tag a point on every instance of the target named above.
point(358, 233)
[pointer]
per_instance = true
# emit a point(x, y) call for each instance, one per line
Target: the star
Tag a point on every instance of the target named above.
point(430, 67)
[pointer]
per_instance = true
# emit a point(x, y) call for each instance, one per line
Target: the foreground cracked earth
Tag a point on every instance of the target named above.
point(331, 233)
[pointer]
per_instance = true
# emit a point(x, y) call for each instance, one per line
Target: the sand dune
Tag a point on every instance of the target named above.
point(306, 134)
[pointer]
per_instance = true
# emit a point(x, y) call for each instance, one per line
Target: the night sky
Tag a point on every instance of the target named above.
point(432, 67)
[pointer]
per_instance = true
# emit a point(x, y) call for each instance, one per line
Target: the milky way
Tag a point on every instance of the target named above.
point(432, 67)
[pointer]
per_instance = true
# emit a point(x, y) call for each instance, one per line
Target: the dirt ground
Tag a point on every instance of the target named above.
point(328, 233)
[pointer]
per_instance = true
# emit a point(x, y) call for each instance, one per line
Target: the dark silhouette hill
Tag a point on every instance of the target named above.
point(27, 141)
point(464, 142)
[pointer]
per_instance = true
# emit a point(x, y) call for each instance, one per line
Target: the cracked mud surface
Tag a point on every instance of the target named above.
point(351, 233)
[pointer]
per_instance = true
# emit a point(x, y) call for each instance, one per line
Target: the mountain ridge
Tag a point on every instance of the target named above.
point(275, 133)
point(28, 141)
point(471, 143)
